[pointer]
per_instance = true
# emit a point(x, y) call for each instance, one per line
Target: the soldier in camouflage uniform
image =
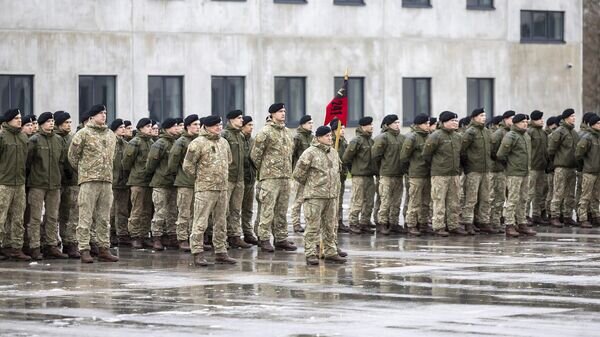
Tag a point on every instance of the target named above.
point(317, 171)
point(302, 141)
point(134, 162)
point(91, 153)
point(13, 158)
point(584, 128)
point(538, 165)
point(341, 148)
point(27, 127)
point(498, 185)
point(128, 131)
point(588, 154)
point(551, 125)
point(207, 160)
point(249, 182)
point(272, 156)
point(120, 206)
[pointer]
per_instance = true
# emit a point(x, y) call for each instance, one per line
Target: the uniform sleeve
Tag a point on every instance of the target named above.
point(407, 149)
point(378, 149)
point(467, 140)
point(430, 147)
point(583, 147)
point(350, 152)
point(505, 148)
point(495, 143)
point(129, 155)
point(175, 157)
point(31, 147)
point(75, 149)
point(258, 149)
point(154, 156)
point(554, 141)
point(300, 173)
point(190, 160)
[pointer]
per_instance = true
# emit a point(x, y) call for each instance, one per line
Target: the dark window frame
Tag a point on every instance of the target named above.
point(406, 4)
point(489, 112)
point(339, 80)
point(110, 115)
point(291, 2)
point(546, 39)
point(480, 6)
point(11, 104)
point(408, 119)
point(163, 79)
point(226, 78)
point(290, 122)
point(349, 2)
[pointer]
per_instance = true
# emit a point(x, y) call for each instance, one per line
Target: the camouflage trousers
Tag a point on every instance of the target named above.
point(578, 186)
point(406, 197)
point(185, 214)
point(297, 204)
point(120, 211)
point(165, 211)
point(445, 192)
point(549, 191)
point(68, 214)
point(141, 211)
point(537, 188)
point(419, 197)
point(274, 197)
point(320, 221)
point(590, 195)
point(235, 194)
point(390, 191)
point(43, 203)
point(207, 203)
point(516, 201)
point(377, 202)
point(563, 195)
point(258, 207)
point(497, 196)
point(361, 202)
point(477, 198)
point(463, 178)
point(12, 208)
point(340, 204)
point(95, 200)
point(247, 204)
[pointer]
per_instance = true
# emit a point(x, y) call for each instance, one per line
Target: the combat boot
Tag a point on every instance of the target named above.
point(355, 229)
point(470, 229)
point(184, 245)
point(335, 259)
point(511, 231)
point(200, 261)
point(524, 229)
point(498, 229)
point(52, 252)
point(485, 228)
point(237, 242)
point(265, 246)
point(114, 241)
point(36, 254)
point(157, 244)
point(379, 227)
point(596, 221)
point(539, 221)
point(124, 240)
point(555, 222)
point(312, 260)
point(286, 245)
point(136, 243)
point(94, 249)
point(341, 252)
point(251, 239)
point(570, 222)
point(298, 229)
point(441, 232)
point(17, 254)
point(397, 229)
point(342, 228)
point(223, 258)
point(366, 229)
point(586, 224)
point(425, 229)
point(86, 257)
point(71, 251)
point(459, 231)
point(3, 257)
point(413, 231)
point(104, 255)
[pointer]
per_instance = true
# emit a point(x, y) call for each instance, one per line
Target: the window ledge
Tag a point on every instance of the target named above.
point(481, 8)
point(416, 6)
point(291, 2)
point(362, 3)
point(543, 41)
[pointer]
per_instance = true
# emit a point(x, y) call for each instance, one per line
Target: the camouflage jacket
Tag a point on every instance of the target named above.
point(476, 149)
point(158, 161)
point(302, 141)
point(386, 153)
point(134, 160)
point(539, 148)
point(119, 173)
point(207, 160)
point(562, 144)
point(496, 139)
point(318, 169)
point(176, 157)
point(13, 156)
point(442, 152)
point(272, 152)
point(588, 152)
point(45, 160)
point(515, 150)
point(411, 153)
point(235, 138)
point(69, 177)
point(249, 169)
point(92, 152)
point(342, 146)
point(358, 155)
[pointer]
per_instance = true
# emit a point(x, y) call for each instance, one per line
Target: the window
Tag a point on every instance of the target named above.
point(16, 91)
point(416, 98)
point(292, 92)
point(542, 26)
point(165, 97)
point(227, 94)
point(290, 1)
point(349, 2)
point(98, 90)
point(480, 4)
point(356, 99)
point(416, 3)
point(480, 94)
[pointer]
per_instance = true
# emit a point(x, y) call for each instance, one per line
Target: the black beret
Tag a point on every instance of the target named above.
point(322, 131)
point(154, 122)
point(432, 120)
point(389, 119)
point(586, 116)
point(519, 118)
point(83, 117)
point(44, 117)
point(464, 122)
point(497, 119)
point(143, 122)
point(60, 117)
point(28, 119)
point(305, 119)
point(169, 123)
point(593, 119)
point(190, 119)
point(116, 124)
point(477, 112)
point(334, 123)
point(536, 115)
point(551, 120)
point(276, 107)
point(201, 121)
point(179, 120)
point(568, 112)
point(127, 123)
point(211, 120)
point(246, 120)
point(447, 115)
point(96, 109)
point(421, 119)
point(10, 114)
point(234, 114)
point(365, 121)
point(508, 114)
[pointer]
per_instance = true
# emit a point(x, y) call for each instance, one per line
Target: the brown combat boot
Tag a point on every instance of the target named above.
point(17, 254)
point(36, 254)
point(251, 239)
point(555, 222)
point(397, 229)
point(124, 240)
point(355, 229)
point(298, 229)
point(413, 231)
point(94, 251)
point(136, 243)
point(425, 229)
point(170, 241)
point(52, 252)
point(596, 222)
point(341, 252)
point(200, 261)
point(485, 228)
point(223, 258)
point(497, 228)
point(104, 255)
point(184, 245)
point(458, 231)
point(312, 260)
point(286, 245)
point(524, 229)
point(539, 221)
point(237, 242)
point(86, 257)
point(441, 232)
point(586, 224)
point(265, 246)
point(71, 250)
point(571, 222)
point(342, 228)
point(335, 259)
point(366, 229)
point(157, 244)
point(511, 231)
point(470, 229)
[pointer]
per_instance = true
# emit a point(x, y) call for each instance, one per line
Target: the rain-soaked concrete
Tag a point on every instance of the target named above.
point(548, 285)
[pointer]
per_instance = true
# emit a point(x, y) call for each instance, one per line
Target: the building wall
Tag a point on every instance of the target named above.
point(58, 40)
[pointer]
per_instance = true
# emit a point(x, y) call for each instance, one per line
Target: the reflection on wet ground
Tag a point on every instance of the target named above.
point(485, 285)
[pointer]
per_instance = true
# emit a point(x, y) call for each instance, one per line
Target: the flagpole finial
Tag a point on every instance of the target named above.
point(346, 74)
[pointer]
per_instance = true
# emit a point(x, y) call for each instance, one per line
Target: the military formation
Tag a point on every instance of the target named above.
point(191, 184)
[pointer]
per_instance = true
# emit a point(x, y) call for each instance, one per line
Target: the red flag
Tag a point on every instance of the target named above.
point(338, 107)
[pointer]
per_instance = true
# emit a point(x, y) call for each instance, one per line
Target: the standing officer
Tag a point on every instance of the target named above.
point(588, 153)
point(27, 125)
point(302, 141)
point(249, 182)
point(342, 145)
point(128, 130)
point(498, 190)
point(539, 163)
point(551, 125)
point(120, 206)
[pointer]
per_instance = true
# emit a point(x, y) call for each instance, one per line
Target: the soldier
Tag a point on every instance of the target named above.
point(249, 182)
point(207, 160)
point(561, 150)
point(13, 158)
point(442, 153)
point(551, 125)
point(45, 162)
point(235, 191)
point(91, 153)
point(128, 131)
point(584, 128)
point(120, 206)
point(588, 154)
point(417, 213)
point(342, 144)
point(498, 189)
point(494, 123)
point(514, 151)
point(134, 162)
point(358, 157)
point(317, 171)
point(477, 162)
point(433, 123)
point(155, 130)
point(302, 141)
point(27, 127)
point(538, 165)
point(386, 154)
point(272, 156)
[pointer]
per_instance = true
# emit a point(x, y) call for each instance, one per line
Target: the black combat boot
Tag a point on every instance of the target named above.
point(286, 245)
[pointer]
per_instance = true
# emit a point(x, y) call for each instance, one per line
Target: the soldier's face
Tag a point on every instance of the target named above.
point(596, 126)
point(432, 127)
point(146, 129)
point(424, 126)
point(237, 122)
point(35, 126)
point(367, 128)
point(66, 125)
point(129, 131)
point(451, 124)
point(395, 125)
point(215, 129)
point(154, 130)
point(120, 131)
point(15, 122)
point(327, 139)
point(99, 119)
point(27, 129)
point(248, 128)
point(342, 131)
point(521, 125)
point(173, 131)
point(480, 118)
point(308, 125)
point(194, 128)
point(279, 116)
point(570, 119)
point(508, 121)
point(539, 122)
point(48, 125)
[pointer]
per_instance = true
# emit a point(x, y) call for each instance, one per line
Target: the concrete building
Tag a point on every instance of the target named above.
point(407, 56)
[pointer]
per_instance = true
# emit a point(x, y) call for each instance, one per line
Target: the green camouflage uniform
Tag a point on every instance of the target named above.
point(419, 190)
point(164, 194)
point(235, 190)
point(249, 182)
point(120, 206)
point(68, 213)
point(185, 187)
point(342, 146)
point(537, 174)
point(561, 149)
point(498, 189)
point(302, 141)
point(588, 152)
